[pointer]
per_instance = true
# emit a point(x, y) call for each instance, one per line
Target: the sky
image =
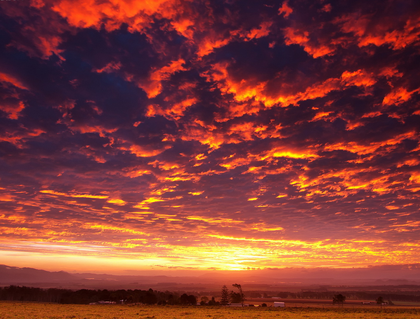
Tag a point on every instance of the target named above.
point(209, 135)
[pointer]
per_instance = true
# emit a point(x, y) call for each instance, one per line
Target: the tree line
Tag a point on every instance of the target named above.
point(86, 296)
point(354, 295)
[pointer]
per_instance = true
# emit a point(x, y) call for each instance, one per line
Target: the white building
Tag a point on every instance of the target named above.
point(278, 304)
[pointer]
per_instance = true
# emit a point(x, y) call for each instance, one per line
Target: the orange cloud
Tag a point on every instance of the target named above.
point(209, 43)
point(302, 37)
point(12, 109)
point(260, 32)
point(116, 201)
point(145, 151)
point(246, 90)
point(40, 31)
point(384, 31)
point(6, 78)
point(290, 153)
point(153, 85)
point(369, 148)
point(75, 195)
point(206, 135)
point(111, 13)
point(86, 128)
point(285, 9)
point(398, 96)
point(19, 138)
point(174, 112)
point(110, 67)
point(232, 163)
point(49, 46)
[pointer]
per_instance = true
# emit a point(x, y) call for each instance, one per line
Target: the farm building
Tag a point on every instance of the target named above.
point(279, 304)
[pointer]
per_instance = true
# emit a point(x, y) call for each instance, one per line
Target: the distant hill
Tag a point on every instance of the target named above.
point(15, 276)
point(46, 279)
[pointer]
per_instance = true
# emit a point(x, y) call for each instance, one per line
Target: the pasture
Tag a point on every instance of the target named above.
point(9, 310)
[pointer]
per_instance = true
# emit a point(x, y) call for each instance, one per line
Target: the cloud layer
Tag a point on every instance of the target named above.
point(211, 134)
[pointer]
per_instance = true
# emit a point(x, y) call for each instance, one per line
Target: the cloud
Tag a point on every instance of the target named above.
point(285, 9)
point(202, 129)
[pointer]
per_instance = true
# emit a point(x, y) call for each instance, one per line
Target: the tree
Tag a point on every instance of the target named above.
point(204, 300)
point(130, 299)
point(184, 299)
point(339, 299)
point(235, 297)
point(240, 295)
point(212, 302)
point(188, 300)
point(149, 297)
point(380, 301)
point(225, 296)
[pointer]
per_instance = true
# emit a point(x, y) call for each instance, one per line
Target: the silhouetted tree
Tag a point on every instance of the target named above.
point(150, 297)
point(235, 297)
point(204, 300)
point(130, 299)
point(339, 299)
point(188, 299)
point(212, 302)
point(241, 294)
point(171, 299)
point(192, 300)
point(225, 296)
point(380, 301)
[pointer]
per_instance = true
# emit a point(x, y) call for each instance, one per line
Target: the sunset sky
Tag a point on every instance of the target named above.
point(203, 135)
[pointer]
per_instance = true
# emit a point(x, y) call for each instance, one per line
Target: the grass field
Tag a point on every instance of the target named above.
point(55, 311)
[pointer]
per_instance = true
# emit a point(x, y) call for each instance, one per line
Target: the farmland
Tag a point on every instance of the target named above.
point(14, 310)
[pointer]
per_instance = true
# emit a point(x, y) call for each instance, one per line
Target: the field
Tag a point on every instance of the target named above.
point(55, 311)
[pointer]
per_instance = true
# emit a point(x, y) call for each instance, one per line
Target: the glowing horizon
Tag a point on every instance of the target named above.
point(207, 135)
